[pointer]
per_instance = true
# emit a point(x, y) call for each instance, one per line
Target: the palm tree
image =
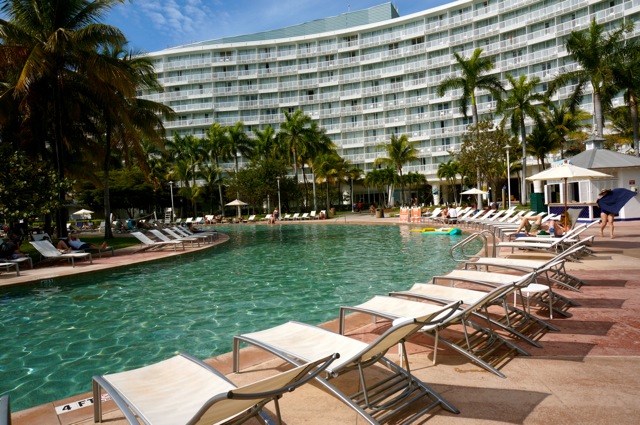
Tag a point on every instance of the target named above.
point(399, 151)
point(540, 143)
point(596, 51)
point(474, 76)
point(128, 122)
point(353, 174)
point(266, 143)
point(187, 154)
point(318, 143)
point(216, 147)
point(55, 47)
point(562, 122)
point(294, 133)
point(449, 171)
point(415, 180)
point(329, 169)
point(626, 72)
point(239, 142)
point(211, 175)
point(523, 101)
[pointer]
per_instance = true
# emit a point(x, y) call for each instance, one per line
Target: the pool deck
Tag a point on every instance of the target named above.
point(588, 372)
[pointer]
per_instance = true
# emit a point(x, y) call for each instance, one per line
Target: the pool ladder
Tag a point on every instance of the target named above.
point(486, 236)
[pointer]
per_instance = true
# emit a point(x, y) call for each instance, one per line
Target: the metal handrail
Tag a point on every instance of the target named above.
point(485, 244)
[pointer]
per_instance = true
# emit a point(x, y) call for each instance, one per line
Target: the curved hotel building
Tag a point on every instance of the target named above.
point(368, 74)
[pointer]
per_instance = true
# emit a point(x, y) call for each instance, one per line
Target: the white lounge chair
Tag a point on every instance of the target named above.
point(8, 266)
point(544, 244)
point(50, 252)
point(544, 294)
point(305, 216)
point(556, 272)
point(204, 236)
point(395, 307)
point(151, 244)
point(178, 237)
point(164, 238)
point(184, 390)
point(430, 217)
point(298, 343)
point(296, 216)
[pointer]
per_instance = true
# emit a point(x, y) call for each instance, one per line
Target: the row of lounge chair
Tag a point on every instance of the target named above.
point(173, 237)
point(469, 311)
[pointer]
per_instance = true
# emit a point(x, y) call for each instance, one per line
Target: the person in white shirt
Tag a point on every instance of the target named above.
point(453, 216)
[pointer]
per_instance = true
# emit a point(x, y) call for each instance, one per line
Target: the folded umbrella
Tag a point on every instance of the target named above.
point(614, 200)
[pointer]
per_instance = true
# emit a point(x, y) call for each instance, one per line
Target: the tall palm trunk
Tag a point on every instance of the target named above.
point(295, 173)
point(523, 137)
point(220, 188)
point(315, 196)
point(328, 200)
point(61, 215)
point(597, 106)
point(633, 105)
point(105, 180)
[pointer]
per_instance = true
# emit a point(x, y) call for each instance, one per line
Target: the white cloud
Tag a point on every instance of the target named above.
point(179, 20)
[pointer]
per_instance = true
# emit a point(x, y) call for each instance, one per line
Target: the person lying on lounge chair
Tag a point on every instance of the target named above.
point(61, 245)
point(533, 226)
point(76, 243)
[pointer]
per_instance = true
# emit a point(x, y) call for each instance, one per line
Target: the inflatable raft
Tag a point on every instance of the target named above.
point(438, 231)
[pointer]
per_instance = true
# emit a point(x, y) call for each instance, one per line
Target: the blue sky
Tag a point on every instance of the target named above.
point(152, 25)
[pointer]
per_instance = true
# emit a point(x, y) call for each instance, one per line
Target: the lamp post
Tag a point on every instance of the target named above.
point(352, 210)
point(172, 210)
point(279, 206)
point(508, 177)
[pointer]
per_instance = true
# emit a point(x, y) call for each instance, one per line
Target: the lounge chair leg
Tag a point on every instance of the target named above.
point(97, 403)
point(435, 347)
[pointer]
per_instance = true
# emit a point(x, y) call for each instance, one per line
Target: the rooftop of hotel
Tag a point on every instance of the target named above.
point(343, 21)
point(588, 372)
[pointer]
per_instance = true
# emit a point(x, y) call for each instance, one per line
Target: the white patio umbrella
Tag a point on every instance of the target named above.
point(236, 203)
point(566, 171)
point(474, 191)
point(83, 212)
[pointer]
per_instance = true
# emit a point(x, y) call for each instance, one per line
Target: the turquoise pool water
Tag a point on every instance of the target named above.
point(54, 339)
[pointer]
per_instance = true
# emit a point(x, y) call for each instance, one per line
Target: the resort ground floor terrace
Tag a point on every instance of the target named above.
point(588, 372)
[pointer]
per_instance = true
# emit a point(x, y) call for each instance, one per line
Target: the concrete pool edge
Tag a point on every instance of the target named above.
point(122, 258)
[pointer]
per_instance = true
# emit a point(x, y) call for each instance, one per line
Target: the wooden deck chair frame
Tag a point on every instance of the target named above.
point(197, 393)
point(376, 402)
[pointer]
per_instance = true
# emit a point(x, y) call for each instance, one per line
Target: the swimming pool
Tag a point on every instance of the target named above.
point(54, 339)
